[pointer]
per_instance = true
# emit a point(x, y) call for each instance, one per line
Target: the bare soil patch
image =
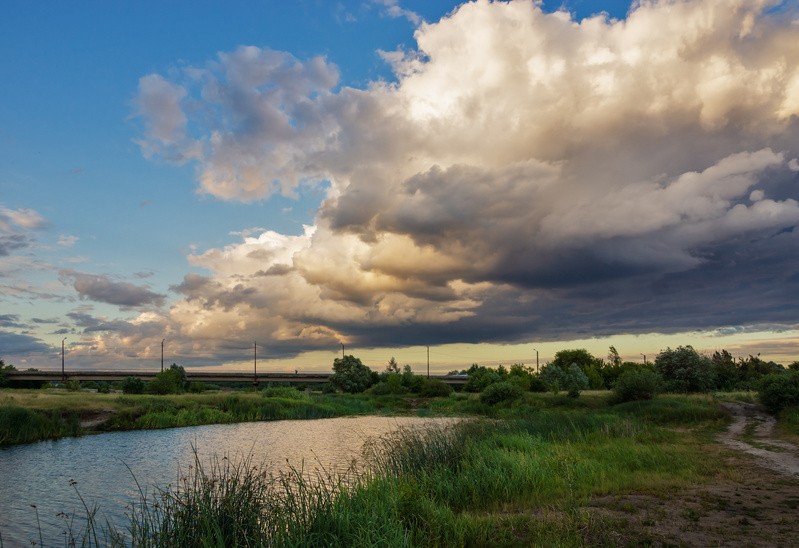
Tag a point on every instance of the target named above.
point(755, 504)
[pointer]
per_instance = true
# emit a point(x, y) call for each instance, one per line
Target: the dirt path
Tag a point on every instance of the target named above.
point(753, 503)
point(751, 432)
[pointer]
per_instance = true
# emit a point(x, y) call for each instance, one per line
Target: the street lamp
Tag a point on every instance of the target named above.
point(162, 354)
point(255, 363)
point(644, 355)
point(63, 374)
point(536, 360)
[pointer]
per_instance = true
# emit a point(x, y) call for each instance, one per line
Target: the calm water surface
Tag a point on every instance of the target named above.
point(41, 473)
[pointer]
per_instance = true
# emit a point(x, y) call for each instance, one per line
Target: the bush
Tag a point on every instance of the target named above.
point(103, 387)
point(779, 390)
point(351, 375)
point(537, 384)
point(4, 369)
point(634, 385)
point(285, 392)
point(499, 392)
point(72, 385)
point(168, 381)
point(685, 370)
point(571, 379)
point(480, 377)
point(434, 388)
point(197, 387)
point(132, 385)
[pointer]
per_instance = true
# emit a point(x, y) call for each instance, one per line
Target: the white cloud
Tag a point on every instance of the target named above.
point(393, 9)
point(521, 158)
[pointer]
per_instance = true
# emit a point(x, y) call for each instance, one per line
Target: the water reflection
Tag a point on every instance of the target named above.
point(103, 467)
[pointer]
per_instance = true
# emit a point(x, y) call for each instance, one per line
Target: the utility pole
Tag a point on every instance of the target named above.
point(644, 355)
point(162, 355)
point(342, 351)
point(536, 360)
point(428, 362)
point(255, 363)
point(63, 374)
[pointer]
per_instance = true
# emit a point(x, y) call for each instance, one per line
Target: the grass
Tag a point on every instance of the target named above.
point(32, 415)
point(522, 480)
point(20, 425)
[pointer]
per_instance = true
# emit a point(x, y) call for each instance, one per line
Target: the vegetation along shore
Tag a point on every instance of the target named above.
point(655, 455)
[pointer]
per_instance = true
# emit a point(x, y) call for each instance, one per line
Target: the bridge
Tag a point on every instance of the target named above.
point(193, 376)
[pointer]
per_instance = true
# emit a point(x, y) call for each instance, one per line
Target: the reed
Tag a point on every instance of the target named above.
point(19, 425)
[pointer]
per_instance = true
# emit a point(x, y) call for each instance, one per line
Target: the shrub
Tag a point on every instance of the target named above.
point(4, 369)
point(168, 381)
point(499, 392)
point(779, 390)
point(72, 385)
point(103, 387)
point(685, 370)
point(285, 392)
point(537, 384)
point(434, 388)
point(571, 379)
point(635, 385)
point(480, 377)
point(197, 387)
point(132, 385)
point(351, 375)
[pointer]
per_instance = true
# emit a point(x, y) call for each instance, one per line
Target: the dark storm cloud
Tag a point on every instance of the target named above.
point(526, 177)
point(15, 344)
point(102, 289)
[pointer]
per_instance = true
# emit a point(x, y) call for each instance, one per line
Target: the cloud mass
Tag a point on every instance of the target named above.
point(526, 175)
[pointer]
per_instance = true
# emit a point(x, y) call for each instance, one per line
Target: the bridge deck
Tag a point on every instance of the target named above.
point(191, 376)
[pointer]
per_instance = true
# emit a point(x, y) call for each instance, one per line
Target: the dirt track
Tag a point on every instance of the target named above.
point(752, 432)
point(753, 503)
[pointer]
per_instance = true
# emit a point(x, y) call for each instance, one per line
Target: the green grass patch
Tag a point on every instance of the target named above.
point(20, 425)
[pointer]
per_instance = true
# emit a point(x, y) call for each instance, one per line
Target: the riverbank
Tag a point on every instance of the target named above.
point(542, 470)
point(33, 415)
point(551, 471)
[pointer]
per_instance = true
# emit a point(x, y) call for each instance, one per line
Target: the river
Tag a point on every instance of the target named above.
point(104, 468)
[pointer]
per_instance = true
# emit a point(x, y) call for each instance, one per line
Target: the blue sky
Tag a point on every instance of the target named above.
point(100, 237)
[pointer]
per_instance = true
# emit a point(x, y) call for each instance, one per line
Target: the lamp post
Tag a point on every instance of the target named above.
point(255, 363)
point(536, 360)
point(162, 355)
point(644, 355)
point(63, 374)
point(428, 362)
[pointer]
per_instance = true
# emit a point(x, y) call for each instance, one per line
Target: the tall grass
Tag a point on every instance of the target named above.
point(19, 425)
point(479, 482)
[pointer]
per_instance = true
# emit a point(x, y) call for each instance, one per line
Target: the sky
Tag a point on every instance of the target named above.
point(487, 179)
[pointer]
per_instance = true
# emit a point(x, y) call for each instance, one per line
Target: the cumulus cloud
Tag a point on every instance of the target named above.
point(526, 175)
point(101, 288)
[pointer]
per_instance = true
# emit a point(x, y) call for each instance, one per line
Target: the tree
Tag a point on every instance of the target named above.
point(571, 379)
point(392, 367)
point(613, 357)
point(685, 370)
point(588, 364)
point(168, 381)
point(4, 370)
point(725, 370)
point(351, 375)
point(132, 385)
